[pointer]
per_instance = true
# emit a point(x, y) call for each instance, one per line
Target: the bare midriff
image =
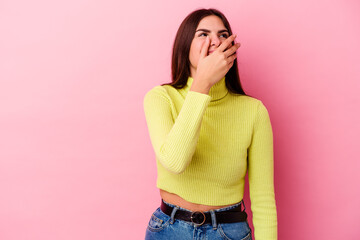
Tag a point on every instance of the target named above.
point(179, 201)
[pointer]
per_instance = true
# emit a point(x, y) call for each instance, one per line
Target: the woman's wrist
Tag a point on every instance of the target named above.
point(200, 86)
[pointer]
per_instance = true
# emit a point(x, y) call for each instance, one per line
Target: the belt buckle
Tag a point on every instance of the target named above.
point(195, 216)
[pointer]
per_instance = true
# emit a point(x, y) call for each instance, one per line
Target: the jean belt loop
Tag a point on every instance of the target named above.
point(173, 214)
point(213, 219)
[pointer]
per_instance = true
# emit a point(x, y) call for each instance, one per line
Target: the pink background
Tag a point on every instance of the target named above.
point(76, 160)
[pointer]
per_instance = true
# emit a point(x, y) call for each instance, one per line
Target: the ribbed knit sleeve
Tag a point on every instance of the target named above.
point(261, 177)
point(174, 141)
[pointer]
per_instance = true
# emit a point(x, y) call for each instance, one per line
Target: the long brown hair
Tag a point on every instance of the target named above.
point(180, 63)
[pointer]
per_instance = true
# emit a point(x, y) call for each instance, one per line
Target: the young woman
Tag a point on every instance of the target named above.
point(206, 134)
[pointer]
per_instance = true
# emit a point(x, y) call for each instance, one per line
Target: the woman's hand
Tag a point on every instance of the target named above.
point(213, 68)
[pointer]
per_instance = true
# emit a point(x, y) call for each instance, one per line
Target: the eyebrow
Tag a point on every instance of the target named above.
point(206, 30)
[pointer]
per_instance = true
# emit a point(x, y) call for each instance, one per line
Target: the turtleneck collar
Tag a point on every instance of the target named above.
point(217, 91)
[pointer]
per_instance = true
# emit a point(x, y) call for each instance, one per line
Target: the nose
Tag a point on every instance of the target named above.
point(215, 41)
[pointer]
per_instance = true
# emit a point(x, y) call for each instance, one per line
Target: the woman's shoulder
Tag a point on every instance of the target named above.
point(165, 91)
point(250, 103)
point(156, 90)
point(249, 100)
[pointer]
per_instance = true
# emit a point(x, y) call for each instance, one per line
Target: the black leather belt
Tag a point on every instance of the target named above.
point(200, 218)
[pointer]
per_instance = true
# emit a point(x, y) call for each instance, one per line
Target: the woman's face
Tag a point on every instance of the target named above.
point(213, 27)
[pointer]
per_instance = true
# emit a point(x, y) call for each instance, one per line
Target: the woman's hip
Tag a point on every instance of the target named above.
point(172, 222)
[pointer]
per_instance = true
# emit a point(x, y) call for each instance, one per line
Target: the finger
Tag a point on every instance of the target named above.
point(226, 43)
point(232, 50)
point(231, 59)
point(205, 47)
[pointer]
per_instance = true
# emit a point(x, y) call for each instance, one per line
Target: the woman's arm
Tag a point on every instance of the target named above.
point(174, 141)
point(261, 177)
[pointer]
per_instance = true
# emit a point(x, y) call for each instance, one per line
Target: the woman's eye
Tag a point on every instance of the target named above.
point(222, 35)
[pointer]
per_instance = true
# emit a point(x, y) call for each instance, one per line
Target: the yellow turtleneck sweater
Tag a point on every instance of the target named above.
point(204, 144)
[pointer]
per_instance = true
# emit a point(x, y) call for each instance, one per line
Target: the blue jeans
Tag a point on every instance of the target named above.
point(164, 227)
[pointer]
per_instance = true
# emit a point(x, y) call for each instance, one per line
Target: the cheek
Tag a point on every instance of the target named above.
point(199, 45)
point(195, 50)
point(196, 46)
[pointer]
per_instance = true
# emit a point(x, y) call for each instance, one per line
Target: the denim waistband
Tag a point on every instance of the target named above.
point(212, 212)
point(215, 210)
